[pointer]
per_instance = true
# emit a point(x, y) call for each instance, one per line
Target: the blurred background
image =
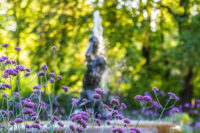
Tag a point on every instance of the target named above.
point(148, 43)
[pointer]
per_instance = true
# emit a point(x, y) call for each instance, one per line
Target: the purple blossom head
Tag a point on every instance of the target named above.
point(51, 74)
point(5, 45)
point(52, 80)
point(28, 69)
point(187, 105)
point(155, 89)
point(155, 104)
point(18, 120)
point(53, 48)
point(118, 130)
point(14, 62)
point(139, 97)
point(7, 62)
point(135, 129)
point(84, 100)
point(99, 91)
point(176, 110)
point(109, 116)
point(28, 126)
point(74, 101)
point(56, 118)
point(4, 95)
point(60, 124)
point(119, 116)
point(18, 49)
point(27, 74)
point(7, 85)
point(147, 98)
point(127, 121)
point(16, 94)
point(35, 125)
point(173, 96)
point(72, 127)
point(114, 102)
point(41, 73)
point(36, 87)
point(123, 105)
point(20, 68)
point(60, 77)
point(44, 67)
point(79, 129)
point(98, 121)
point(99, 115)
point(37, 91)
point(12, 123)
point(65, 88)
point(97, 96)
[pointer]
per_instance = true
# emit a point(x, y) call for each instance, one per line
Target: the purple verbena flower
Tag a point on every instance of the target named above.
point(53, 48)
point(18, 49)
point(98, 121)
point(114, 102)
point(41, 73)
point(60, 124)
point(59, 77)
point(28, 126)
point(35, 125)
point(18, 120)
point(155, 89)
point(20, 68)
point(27, 74)
point(28, 69)
point(155, 104)
point(5, 45)
point(4, 95)
point(79, 129)
point(16, 94)
point(99, 91)
point(51, 74)
point(7, 62)
point(52, 80)
point(65, 88)
point(118, 130)
point(139, 97)
point(14, 62)
point(84, 100)
point(55, 118)
point(72, 127)
point(44, 67)
point(135, 129)
point(147, 98)
point(36, 87)
point(176, 110)
point(123, 105)
point(127, 121)
point(108, 116)
point(97, 96)
point(74, 101)
point(37, 91)
point(173, 96)
point(118, 116)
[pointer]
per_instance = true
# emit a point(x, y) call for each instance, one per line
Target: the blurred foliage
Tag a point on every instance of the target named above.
point(148, 42)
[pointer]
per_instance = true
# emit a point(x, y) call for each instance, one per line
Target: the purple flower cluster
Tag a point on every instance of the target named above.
point(173, 96)
point(65, 88)
point(18, 49)
point(80, 119)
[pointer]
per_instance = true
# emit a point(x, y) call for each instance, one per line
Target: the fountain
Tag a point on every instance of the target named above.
point(95, 69)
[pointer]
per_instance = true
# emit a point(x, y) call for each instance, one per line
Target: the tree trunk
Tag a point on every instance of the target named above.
point(187, 93)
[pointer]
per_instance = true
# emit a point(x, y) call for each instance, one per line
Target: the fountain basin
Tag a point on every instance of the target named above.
point(144, 126)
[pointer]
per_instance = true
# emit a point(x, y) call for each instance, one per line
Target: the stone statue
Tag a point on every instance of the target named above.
point(95, 69)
